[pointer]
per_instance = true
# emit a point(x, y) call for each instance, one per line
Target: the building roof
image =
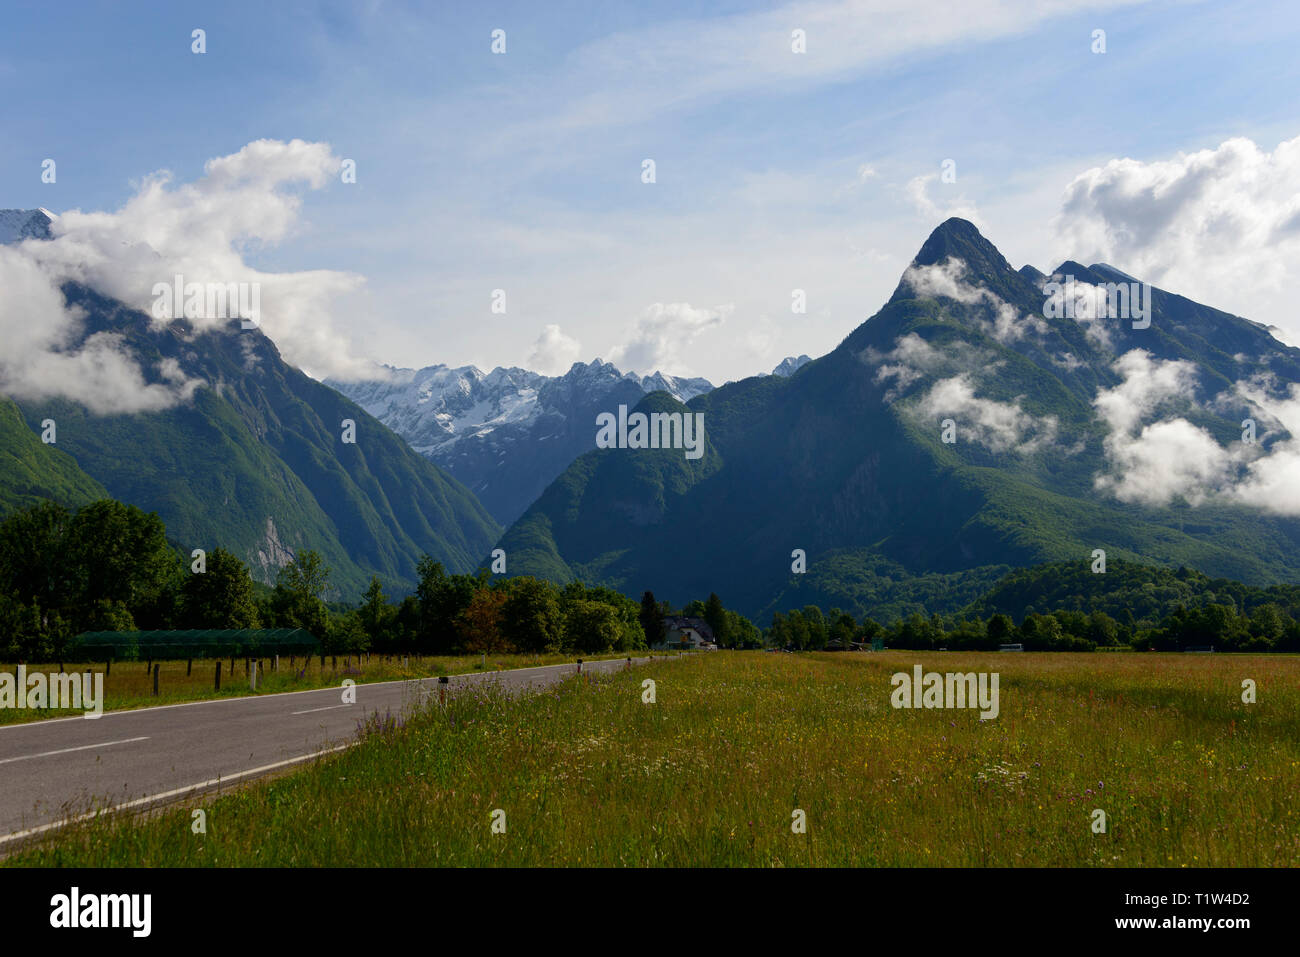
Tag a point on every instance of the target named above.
point(681, 621)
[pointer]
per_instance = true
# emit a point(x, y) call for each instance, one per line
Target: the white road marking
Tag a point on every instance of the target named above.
point(172, 793)
point(327, 708)
point(84, 747)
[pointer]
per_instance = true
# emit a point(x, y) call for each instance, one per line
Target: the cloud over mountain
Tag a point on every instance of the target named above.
point(1215, 220)
point(202, 231)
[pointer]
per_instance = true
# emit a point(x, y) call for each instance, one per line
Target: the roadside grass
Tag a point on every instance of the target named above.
point(710, 774)
point(129, 684)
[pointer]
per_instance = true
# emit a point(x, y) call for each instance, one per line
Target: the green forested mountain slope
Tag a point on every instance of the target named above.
point(255, 462)
point(845, 459)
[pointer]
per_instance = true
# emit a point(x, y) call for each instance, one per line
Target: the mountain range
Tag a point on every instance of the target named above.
point(254, 459)
point(974, 424)
point(508, 433)
point(986, 418)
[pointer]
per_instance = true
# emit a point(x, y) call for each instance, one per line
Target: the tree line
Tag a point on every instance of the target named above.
point(1224, 627)
point(109, 567)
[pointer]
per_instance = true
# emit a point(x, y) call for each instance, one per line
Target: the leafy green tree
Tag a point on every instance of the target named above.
point(346, 633)
point(652, 620)
point(816, 623)
point(378, 618)
point(221, 597)
point(715, 615)
point(1039, 632)
point(591, 627)
point(442, 599)
point(117, 553)
point(843, 628)
point(1001, 628)
point(297, 600)
point(742, 632)
point(531, 618)
point(33, 566)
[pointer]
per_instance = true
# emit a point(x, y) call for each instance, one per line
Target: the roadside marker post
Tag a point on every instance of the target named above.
point(442, 690)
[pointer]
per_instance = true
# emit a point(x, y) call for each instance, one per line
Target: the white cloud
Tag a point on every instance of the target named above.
point(918, 191)
point(1171, 458)
point(1165, 460)
point(554, 352)
point(945, 279)
point(39, 360)
point(1221, 225)
point(662, 337)
point(1089, 308)
point(998, 426)
point(200, 231)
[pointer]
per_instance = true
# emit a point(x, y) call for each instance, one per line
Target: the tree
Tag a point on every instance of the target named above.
point(377, 617)
point(843, 628)
point(119, 554)
point(1001, 628)
point(442, 598)
point(221, 596)
point(716, 617)
point(652, 620)
point(591, 627)
point(816, 623)
point(479, 623)
point(531, 618)
point(297, 600)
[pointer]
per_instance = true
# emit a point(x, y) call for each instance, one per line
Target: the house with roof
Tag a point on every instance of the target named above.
point(687, 634)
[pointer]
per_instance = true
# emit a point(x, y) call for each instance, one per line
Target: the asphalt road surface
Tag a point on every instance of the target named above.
point(60, 769)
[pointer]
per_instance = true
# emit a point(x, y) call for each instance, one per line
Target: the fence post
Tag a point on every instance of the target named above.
point(276, 666)
point(252, 677)
point(155, 679)
point(108, 667)
point(217, 685)
point(189, 666)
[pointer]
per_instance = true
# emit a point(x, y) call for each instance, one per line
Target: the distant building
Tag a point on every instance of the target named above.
point(687, 634)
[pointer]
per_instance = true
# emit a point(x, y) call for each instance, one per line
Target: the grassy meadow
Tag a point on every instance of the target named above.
point(129, 684)
point(587, 774)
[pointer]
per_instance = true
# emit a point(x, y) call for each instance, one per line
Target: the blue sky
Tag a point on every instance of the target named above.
point(775, 171)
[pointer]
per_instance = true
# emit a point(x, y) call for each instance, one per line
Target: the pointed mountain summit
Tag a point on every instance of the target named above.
point(966, 428)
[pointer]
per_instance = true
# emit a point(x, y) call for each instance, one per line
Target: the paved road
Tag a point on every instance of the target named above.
point(54, 770)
